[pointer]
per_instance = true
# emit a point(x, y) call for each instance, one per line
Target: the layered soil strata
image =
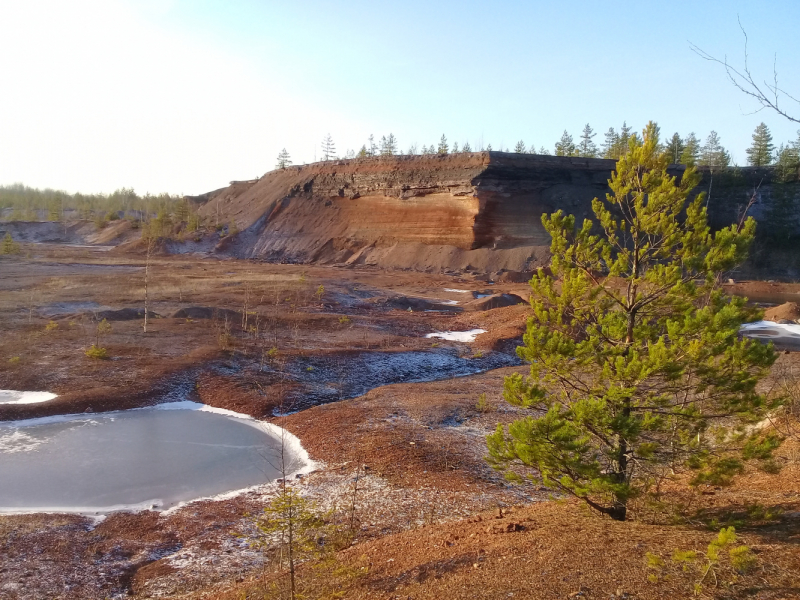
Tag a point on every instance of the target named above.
point(477, 212)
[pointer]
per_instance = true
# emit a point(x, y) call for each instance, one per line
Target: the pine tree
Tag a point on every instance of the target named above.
point(788, 162)
point(9, 246)
point(443, 148)
point(712, 154)
point(455, 148)
point(624, 139)
point(363, 152)
point(610, 148)
point(587, 148)
point(328, 148)
point(412, 149)
point(691, 150)
point(674, 148)
point(760, 153)
point(467, 148)
point(636, 361)
point(520, 147)
point(488, 147)
point(373, 149)
point(390, 147)
point(565, 146)
point(543, 151)
point(284, 160)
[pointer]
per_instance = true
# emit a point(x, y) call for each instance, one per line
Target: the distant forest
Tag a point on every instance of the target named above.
point(22, 203)
point(688, 150)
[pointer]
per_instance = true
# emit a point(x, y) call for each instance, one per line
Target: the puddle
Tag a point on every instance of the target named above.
point(143, 458)
point(16, 397)
point(768, 331)
point(457, 336)
point(326, 380)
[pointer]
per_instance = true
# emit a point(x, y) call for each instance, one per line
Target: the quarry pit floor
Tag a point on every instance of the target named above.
point(275, 341)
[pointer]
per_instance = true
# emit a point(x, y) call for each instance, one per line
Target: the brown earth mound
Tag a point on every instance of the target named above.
point(788, 311)
point(494, 301)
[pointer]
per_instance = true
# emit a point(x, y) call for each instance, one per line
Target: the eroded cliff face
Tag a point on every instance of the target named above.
point(479, 211)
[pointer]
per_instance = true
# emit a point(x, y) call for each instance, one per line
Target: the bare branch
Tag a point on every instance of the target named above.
point(744, 81)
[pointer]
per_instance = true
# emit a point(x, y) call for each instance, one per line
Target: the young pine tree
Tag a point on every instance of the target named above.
point(760, 152)
point(520, 147)
point(634, 353)
point(691, 150)
point(443, 147)
point(328, 148)
point(610, 147)
point(467, 148)
point(674, 148)
point(712, 154)
point(586, 147)
point(284, 160)
point(565, 146)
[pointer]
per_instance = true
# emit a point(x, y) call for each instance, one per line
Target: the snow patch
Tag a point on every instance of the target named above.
point(455, 291)
point(457, 336)
point(17, 397)
point(450, 302)
point(769, 330)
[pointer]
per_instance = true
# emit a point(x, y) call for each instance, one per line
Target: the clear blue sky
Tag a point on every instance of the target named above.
point(185, 95)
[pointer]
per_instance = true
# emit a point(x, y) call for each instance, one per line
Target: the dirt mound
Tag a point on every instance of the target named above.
point(788, 311)
point(494, 301)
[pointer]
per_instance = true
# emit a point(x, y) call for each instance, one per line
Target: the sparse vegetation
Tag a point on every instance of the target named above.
point(96, 352)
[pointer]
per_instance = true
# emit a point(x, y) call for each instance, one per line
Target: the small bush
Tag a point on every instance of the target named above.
point(51, 326)
point(344, 320)
point(14, 360)
point(483, 405)
point(96, 352)
point(9, 246)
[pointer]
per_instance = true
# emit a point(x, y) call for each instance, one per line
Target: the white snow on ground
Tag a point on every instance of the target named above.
point(768, 330)
point(456, 291)
point(16, 397)
point(450, 302)
point(457, 336)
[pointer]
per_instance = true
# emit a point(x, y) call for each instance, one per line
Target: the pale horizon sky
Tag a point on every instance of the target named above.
point(182, 96)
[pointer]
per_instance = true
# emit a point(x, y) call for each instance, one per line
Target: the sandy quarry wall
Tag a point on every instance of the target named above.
point(478, 211)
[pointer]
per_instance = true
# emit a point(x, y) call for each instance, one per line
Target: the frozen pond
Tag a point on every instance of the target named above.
point(145, 458)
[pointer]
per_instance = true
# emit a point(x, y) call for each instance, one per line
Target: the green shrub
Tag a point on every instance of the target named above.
point(96, 352)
